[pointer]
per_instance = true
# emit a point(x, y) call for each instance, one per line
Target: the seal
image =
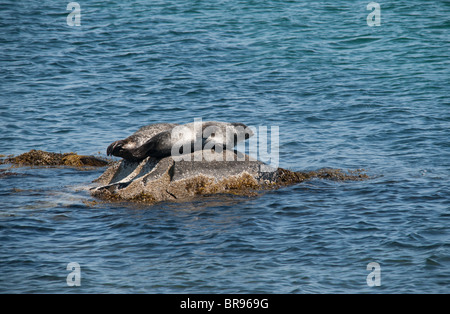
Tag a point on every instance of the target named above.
point(125, 148)
point(165, 139)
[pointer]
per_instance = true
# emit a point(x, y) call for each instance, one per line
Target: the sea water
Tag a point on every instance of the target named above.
point(348, 85)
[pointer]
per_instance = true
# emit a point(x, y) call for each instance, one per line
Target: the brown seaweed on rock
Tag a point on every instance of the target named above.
point(153, 180)
point(286, 177)
point(43, 158)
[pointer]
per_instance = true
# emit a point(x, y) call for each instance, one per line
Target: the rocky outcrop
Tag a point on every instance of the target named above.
point(154, 180)
point(43, 158)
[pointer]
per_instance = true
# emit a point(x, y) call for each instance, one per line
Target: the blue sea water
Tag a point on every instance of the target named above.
point(344, 95)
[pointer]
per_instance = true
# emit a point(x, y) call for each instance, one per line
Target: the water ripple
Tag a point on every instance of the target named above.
point(345, 95)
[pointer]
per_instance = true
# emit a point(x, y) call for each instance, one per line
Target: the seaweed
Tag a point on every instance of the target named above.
point(287, 177)
point(242, 185)
point(43, 158)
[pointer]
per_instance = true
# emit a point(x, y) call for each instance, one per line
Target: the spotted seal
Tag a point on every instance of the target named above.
point(164, 139)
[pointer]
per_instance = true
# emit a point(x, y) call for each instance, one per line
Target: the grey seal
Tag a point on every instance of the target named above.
point(125, 148)
point(164, 139)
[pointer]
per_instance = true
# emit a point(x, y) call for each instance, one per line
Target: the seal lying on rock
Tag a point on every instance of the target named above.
point(165, 139)
point(152, 171)
point(126, 148)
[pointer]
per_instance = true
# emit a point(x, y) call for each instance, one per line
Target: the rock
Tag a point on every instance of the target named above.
point(43, 158)
point(153, 180)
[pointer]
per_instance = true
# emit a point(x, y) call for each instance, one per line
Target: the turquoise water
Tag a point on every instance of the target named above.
point(344, 95)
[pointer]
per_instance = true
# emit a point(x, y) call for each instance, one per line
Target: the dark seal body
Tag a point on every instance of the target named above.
point(126, 148)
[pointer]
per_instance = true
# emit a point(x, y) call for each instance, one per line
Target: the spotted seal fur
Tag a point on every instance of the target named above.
point(164, 139)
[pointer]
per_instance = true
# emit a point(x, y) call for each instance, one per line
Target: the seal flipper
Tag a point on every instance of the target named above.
point(158, 146)
point(141, 152)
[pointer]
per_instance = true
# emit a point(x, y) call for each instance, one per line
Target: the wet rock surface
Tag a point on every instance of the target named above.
point(153, 180)
point(178, 179)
